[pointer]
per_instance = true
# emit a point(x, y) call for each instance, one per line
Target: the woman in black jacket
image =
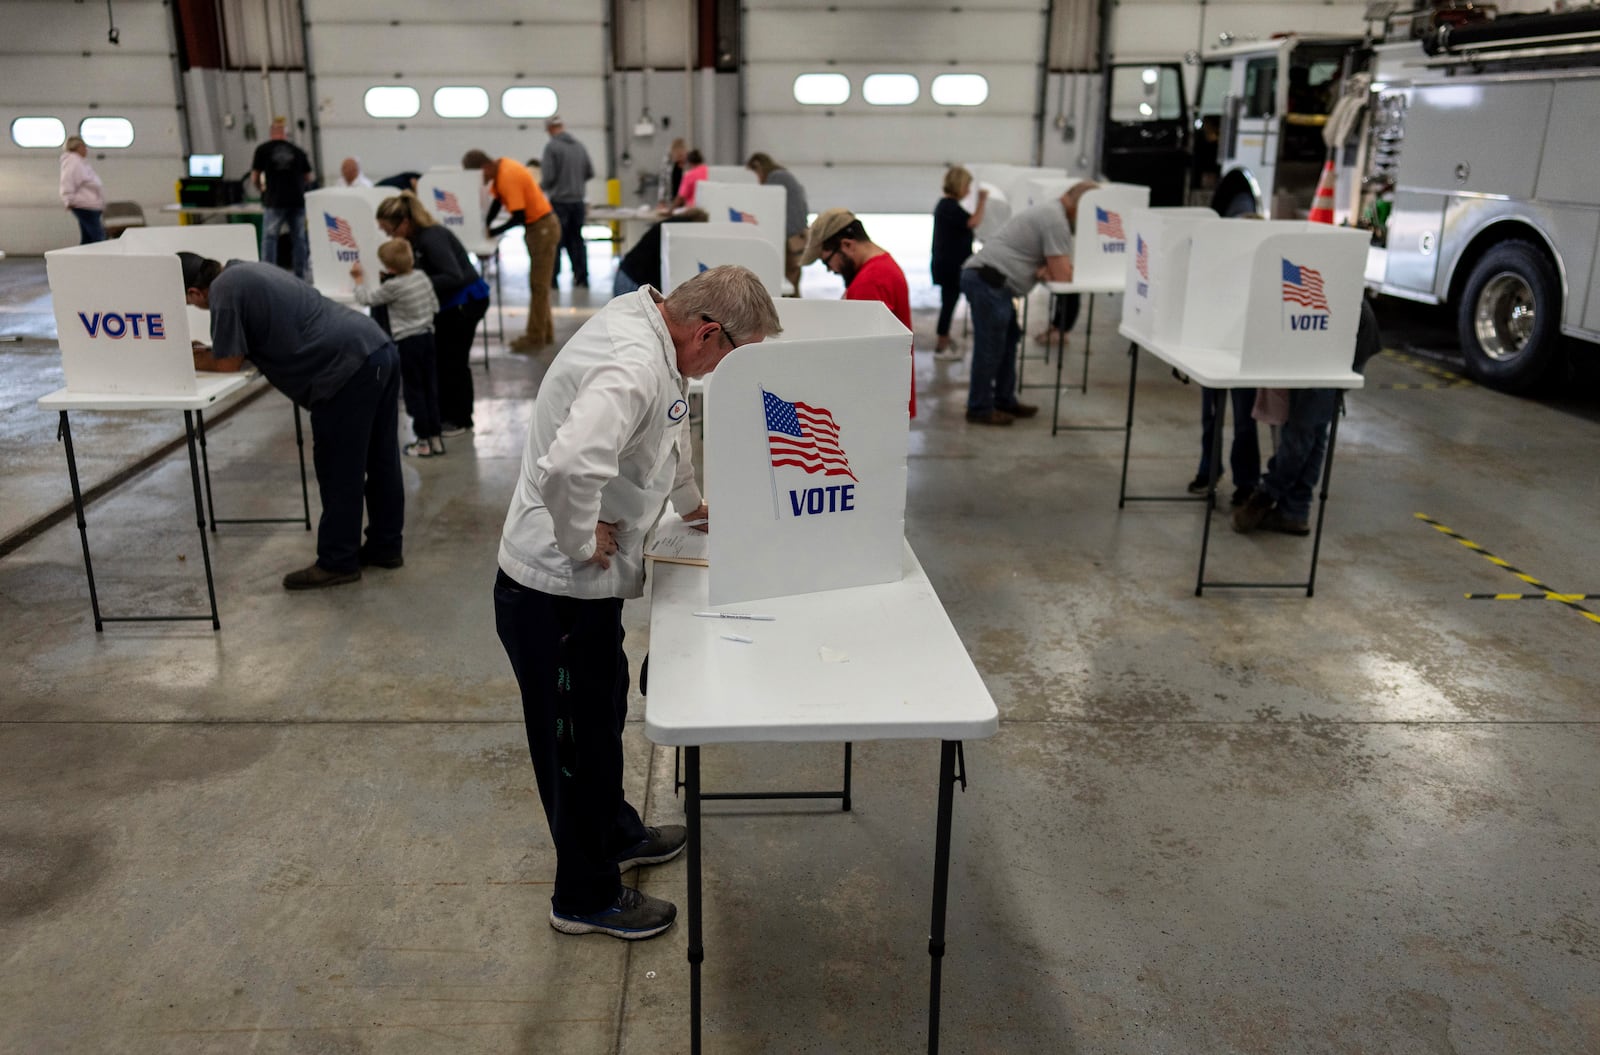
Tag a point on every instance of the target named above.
point(463, 300)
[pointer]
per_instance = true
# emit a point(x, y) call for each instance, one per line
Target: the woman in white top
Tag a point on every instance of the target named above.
point(82, 192)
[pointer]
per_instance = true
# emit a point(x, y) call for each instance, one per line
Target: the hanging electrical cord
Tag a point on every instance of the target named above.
point(113, 34)
point(222, 74)
point(286, 29)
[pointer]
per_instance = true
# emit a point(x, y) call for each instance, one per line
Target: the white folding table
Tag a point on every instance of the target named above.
point(867, 663)
point(1216, 369)
point(210, 390)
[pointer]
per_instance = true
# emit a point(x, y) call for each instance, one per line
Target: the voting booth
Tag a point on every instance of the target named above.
point(1281, 296)
point(730, 174)
point(1100, 244)
point(221, 242)
point(761, 207)
point(1156, 267)
point(805, 454)
point(343, 229)
point(121, 319)
point(454, 199)
point(690, 248)
point(1008, 187)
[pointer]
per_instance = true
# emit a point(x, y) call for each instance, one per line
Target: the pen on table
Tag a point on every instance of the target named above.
point(735, 615)
point(739, 638)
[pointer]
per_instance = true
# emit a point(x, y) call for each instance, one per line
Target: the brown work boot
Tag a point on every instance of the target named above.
point(1249, 516)
point(316, 577)
point(1022, 410)
point(989, 417)
point(525, 346)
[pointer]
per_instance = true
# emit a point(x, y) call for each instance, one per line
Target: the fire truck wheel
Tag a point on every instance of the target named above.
point(1509, 317)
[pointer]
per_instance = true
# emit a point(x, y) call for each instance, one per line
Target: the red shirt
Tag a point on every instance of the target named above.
point(881, 279)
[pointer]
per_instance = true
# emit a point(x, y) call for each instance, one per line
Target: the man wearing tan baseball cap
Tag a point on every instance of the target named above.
point(869, 272)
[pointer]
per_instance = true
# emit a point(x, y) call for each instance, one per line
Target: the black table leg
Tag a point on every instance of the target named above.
point(1022, 343)
point(300, 445)
point(1061, 357)
point(691, 816)
point(1127, 430)
point(1088, 339)
point(1322, 503)
point(941, 881)
point(1224, 401)
point(65, 433)
point(205, 466)
point(200, 517)
point(847, 746)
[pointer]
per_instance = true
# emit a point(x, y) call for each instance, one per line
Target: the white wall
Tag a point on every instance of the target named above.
point(55, 61)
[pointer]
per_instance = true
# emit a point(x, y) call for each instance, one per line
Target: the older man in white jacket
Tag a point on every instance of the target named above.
point(608, 442)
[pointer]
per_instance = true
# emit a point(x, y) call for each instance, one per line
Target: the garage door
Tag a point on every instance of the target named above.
point(867, 103)
point(411, 84)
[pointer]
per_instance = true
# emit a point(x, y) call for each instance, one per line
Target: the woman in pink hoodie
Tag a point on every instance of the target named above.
point(81, 191)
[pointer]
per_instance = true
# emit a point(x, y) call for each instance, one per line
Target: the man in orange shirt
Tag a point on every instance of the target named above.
point(518, 192)
point(869, 272)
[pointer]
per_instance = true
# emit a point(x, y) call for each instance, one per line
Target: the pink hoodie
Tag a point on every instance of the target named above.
point(80, 187)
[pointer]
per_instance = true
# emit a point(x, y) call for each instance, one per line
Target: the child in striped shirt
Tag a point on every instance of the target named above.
point(412, 306)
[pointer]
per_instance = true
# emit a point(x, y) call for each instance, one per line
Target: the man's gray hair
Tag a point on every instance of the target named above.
point(732, 296)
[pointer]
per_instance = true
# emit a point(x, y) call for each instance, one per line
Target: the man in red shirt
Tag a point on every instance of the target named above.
point(869, 272)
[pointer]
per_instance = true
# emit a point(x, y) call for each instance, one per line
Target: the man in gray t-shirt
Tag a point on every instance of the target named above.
point(564, 169)
point(341, 367)
point(1034, 244)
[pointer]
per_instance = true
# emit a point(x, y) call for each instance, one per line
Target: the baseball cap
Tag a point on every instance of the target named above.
point(826, 227)
point(192, 262)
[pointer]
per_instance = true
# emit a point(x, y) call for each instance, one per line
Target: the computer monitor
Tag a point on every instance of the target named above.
point(205, 166)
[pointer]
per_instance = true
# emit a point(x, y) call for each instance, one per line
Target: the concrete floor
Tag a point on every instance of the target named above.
point(1245, 823)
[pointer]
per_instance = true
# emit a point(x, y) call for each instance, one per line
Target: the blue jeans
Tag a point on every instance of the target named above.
point(622, 282)
point(994, 345)
point(1245, 455)
point(570, 213)
point(1294, 470)
point(90, 229)
point(356, 451)
point(272, 221)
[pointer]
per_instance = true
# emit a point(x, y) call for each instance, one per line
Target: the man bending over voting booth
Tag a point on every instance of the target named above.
point(340, 366)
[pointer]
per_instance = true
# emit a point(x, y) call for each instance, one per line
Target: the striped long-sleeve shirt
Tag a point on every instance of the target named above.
point(412, 304)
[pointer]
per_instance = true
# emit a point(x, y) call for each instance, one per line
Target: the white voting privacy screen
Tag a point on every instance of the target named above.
point(806, 454)
point(729, 174)
point(690, 248)
point(221, 242)
point(1008, 191)
point(453, 199)
point(1301, 289)
point(1100, 246)
point(753, 204)
point(121, 321)
point(1156, 269)
point(342, 227)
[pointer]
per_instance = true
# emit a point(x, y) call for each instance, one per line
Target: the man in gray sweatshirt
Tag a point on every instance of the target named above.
point(564, 168)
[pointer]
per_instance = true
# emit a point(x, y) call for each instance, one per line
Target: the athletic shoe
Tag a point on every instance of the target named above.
point(1200, 485)
point(659, 846)
point(634, 916)
point(454, 430)
point(316, 577)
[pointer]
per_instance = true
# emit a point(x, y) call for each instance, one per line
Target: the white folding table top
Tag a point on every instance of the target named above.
point(1218, 369)
point(1085, 287)
point(867, 663)
point(209, 389)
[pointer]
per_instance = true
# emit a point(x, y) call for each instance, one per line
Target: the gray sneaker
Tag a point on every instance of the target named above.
point(660, 845)
point(634, 916)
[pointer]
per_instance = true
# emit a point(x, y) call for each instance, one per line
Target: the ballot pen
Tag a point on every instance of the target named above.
point(735, 615)
point(739, 638)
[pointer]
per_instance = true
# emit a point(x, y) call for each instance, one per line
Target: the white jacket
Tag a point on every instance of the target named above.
point(80, 187)
point(609, 440)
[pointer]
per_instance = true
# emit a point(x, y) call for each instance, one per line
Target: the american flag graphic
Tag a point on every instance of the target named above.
point(804, 436)
point(446, 202)
point(1108, 224)
point(339, 232)
point(1141, 259)
point(735, 216)
point(1303, 286)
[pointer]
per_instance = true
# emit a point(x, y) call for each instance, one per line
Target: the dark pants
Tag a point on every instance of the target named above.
point(994, 344)
point(1295, 468)
point(949, 294)
point(568, 659)
point(1245, 454)
point(454, 330)
point(357, 456)
point(1064, 312)
point(570, 213)
point(90, 229)
point(419, 383)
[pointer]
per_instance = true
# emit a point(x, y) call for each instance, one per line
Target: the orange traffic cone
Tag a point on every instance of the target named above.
point(1322, 203)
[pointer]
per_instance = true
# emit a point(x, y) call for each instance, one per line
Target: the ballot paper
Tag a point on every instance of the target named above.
point(675, 542)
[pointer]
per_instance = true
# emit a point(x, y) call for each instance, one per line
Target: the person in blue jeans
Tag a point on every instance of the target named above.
point(1244, 457)
point(281, 171)
point(1282, 500)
